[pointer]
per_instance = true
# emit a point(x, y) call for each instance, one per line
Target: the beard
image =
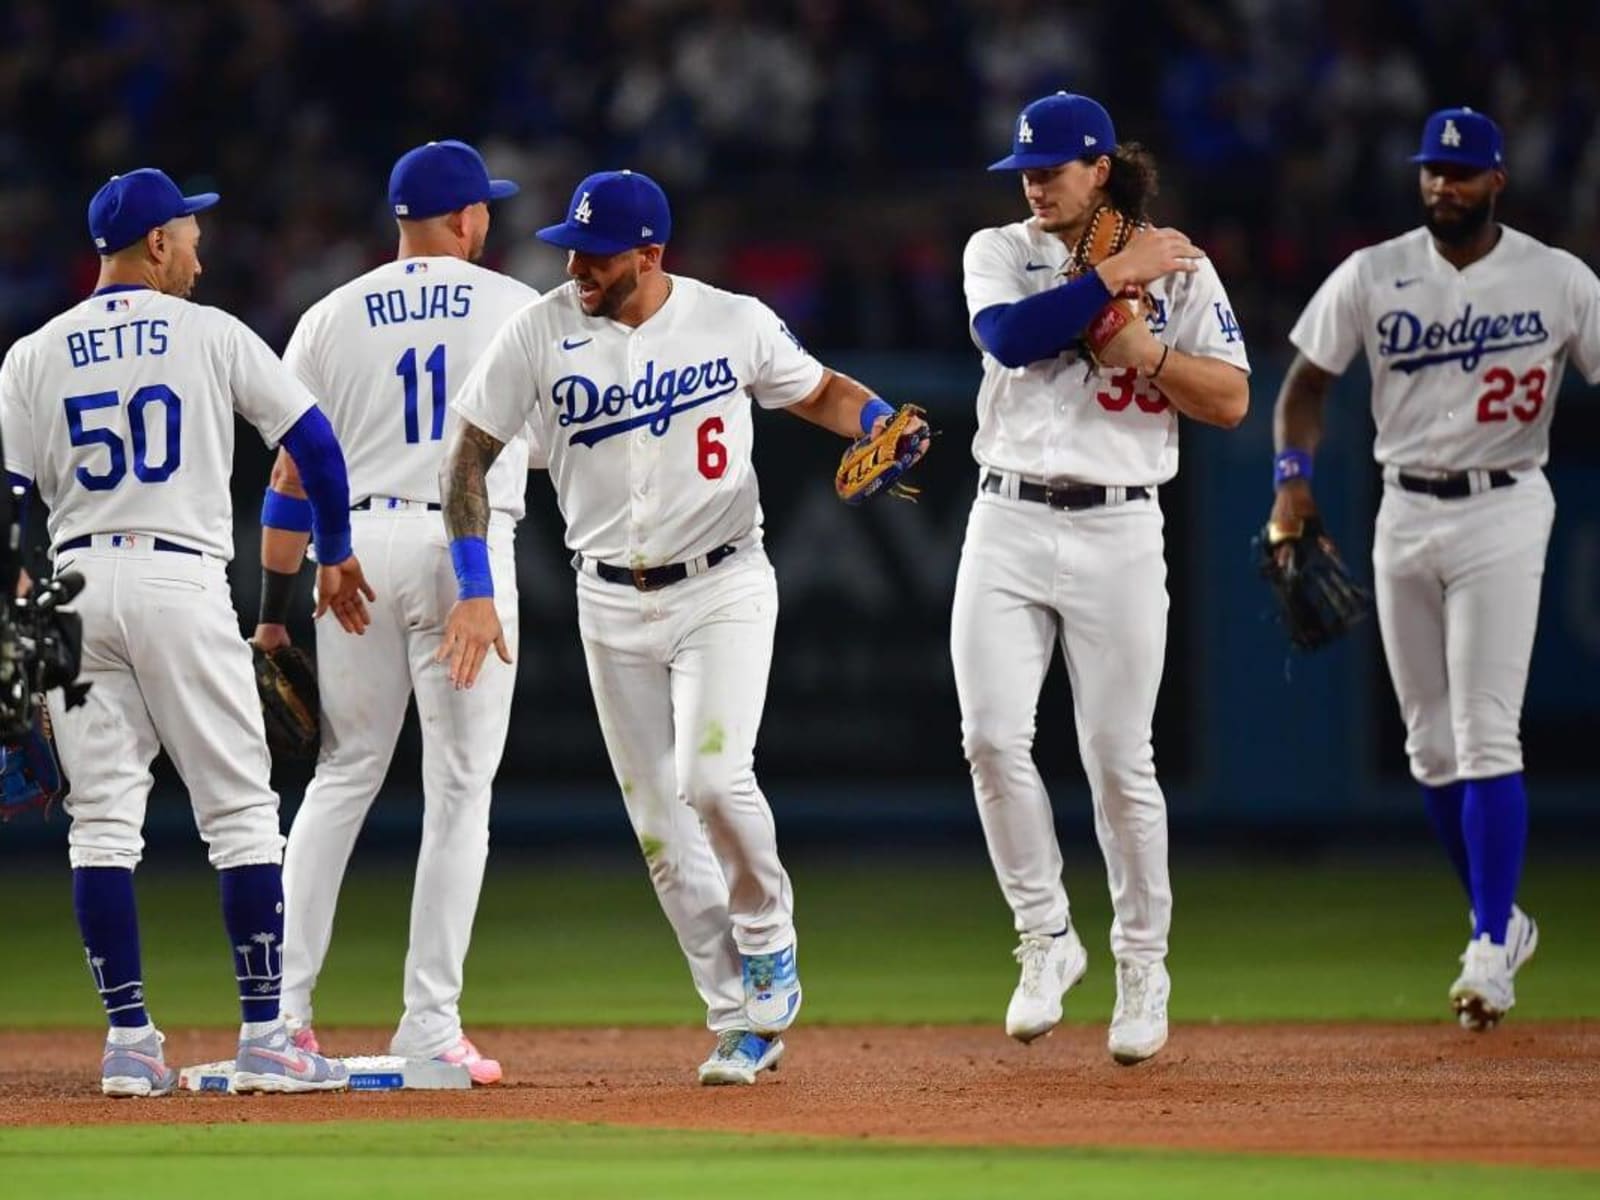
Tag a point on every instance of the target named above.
point(1461, 225)
point(616, 295)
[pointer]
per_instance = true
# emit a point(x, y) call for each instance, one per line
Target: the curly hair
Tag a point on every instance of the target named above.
point(1134, 179)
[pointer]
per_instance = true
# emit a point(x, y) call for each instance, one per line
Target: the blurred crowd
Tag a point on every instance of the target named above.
point(827, 155)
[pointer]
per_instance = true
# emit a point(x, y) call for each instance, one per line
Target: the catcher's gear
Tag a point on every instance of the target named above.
point(286, 679)
point(30, 770)
point(877, 461)
point(1107, 233)
point(1318, 601)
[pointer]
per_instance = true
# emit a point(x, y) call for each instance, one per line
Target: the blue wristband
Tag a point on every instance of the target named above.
point(279, 511)
point(470, 557)
point(872, 410)
point(1290, 464)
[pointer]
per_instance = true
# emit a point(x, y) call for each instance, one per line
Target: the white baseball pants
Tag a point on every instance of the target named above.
point(1093, 580)
point(366, 683)
point(680, 681)
point(162, 651)
point(1458, 602)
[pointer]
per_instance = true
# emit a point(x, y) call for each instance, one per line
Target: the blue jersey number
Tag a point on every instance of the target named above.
point(79, 407)
point(406, 368)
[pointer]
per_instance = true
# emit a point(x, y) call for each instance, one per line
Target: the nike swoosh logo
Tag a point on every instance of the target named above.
point(569, 344)
point(297, 1063)
point(1033, 266)
point(1401, 283)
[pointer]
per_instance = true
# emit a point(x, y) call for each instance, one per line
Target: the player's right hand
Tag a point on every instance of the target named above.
point(270, 637)
point(472, 627)
point(341, 588)
point(1149, 254)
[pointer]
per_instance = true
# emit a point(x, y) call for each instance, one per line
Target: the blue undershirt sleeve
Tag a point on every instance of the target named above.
point(1042, 326)
point(317, 457)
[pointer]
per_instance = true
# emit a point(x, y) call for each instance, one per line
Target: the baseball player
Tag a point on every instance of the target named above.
point(384, 354)
point(121, 411)
point(1064, 543)
point(637, 386)
point(1466, 325)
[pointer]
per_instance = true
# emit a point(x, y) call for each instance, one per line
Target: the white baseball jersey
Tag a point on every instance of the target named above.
point(121, 411)
point(647, 431)
point(1465, 363)
point(1058, 419)
point(385, 353)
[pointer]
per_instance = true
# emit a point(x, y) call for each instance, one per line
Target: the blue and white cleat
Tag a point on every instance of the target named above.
point(273, 1063)
point(1484, 992)
point(137, 1070)
point(771, 990)
point(739, 1057)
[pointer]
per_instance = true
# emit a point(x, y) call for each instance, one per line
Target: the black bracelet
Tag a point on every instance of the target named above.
point(1161, 363)
point(277, 594)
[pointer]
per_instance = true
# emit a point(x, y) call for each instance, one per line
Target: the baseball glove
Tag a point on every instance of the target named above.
point(1317, 599)
point(286, 679)
point(30, 770)
point(1106, 234)
point(876, 462)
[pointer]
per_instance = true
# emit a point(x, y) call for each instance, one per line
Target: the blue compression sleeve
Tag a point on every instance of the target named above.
point(279, 511)
point(310, 442)
point(1042, 326)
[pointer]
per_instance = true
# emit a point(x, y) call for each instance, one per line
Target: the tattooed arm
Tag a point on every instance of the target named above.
point(473, 625)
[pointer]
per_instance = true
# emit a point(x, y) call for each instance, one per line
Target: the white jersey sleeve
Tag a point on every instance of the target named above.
point(992, 270)
point(265, 392)
point(501, 393)
point(1202, 317)
point(1329, 331)
point(785, 373)
point(15, 427)
point(1583, 301)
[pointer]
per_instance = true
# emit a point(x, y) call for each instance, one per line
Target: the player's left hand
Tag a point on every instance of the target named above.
point(1134, 346)
point(472, 627)
point(913, 426)
point(341, 588)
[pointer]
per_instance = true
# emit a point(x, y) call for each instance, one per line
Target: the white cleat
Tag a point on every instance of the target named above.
point(1050, 967)
point(1139, 1021)
point(1483, 993)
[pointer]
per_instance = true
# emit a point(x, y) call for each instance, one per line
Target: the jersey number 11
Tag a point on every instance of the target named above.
point(406, 368)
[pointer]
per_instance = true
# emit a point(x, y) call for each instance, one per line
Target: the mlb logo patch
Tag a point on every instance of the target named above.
point(116, 304)
point(125, 541)
point(416, 268)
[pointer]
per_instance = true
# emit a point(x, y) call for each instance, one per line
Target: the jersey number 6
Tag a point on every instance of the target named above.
point(139, 404)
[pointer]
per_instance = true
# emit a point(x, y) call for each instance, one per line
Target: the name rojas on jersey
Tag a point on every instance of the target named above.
point(386, 352)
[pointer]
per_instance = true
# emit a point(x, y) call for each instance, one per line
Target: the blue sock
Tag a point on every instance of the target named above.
point(1444, 810)
point(1494, 822)
point(109, 922)
point(252, 909)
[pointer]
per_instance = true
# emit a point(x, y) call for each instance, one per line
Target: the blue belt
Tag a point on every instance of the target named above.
point(78, 543)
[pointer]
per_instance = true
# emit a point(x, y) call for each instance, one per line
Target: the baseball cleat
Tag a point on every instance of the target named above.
point(771, 990)
point(273, 1063)
point(465, 1054)
point(1139, 1021)
point(1483, 993)
point(739, 1056)
point(1050, 967)
point(137, 1070)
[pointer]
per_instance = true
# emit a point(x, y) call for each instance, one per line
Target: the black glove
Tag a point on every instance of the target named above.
point(1317, 599)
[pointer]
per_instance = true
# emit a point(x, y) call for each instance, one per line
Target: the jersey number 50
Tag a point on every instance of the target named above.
point(145, 471)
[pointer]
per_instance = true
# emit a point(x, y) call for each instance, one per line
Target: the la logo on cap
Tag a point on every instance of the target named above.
point(1451, 135)
point(1024, 131)
point(583, 212)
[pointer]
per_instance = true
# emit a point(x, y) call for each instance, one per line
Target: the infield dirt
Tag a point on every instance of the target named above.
point(1525, 1093)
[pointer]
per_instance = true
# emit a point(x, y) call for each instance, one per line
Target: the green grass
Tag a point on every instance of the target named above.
point(486, 1159)
point(555, 943)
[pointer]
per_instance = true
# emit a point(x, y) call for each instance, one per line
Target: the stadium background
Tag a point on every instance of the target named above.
point(828, 157)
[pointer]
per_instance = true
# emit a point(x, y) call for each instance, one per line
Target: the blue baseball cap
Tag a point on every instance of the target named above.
point(129, 206)
point(441, 177)
point(1463, 136)
point(1058, 129)
point(613, 211)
